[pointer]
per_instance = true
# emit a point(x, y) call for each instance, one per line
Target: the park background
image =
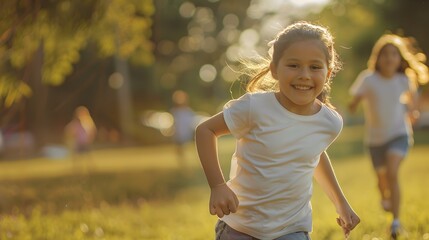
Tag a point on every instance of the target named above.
point(123, 60)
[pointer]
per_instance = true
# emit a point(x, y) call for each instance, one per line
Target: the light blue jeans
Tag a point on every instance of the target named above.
point(225, 232)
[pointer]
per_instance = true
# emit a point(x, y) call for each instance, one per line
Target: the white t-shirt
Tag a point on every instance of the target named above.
point(273, 164)
point(385, 114)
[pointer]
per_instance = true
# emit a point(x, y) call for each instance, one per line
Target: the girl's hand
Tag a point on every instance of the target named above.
point(352, 106)
point(347, 220)
point(223, 200)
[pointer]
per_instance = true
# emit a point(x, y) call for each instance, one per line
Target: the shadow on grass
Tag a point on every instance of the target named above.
point(82, 191)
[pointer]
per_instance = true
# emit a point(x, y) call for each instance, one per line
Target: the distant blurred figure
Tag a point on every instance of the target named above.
point(80, 133)
point(184, 123)
point(388, 89)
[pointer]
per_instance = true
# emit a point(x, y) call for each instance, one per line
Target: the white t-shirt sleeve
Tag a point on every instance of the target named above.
point(359, 87)
point(338, 125)
point(237, 115)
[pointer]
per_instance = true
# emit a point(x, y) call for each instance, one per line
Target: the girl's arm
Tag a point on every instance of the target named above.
point(413, 104)
point(354, 103)
point(325, 176)
point(222, 199)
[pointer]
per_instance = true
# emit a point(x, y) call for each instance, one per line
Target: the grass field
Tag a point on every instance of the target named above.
point(143, 193)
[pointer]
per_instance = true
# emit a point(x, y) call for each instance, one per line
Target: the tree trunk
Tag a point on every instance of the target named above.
point(37, 114)
point(124, 98)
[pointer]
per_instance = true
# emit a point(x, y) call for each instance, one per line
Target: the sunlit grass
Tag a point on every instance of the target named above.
point(142, 193)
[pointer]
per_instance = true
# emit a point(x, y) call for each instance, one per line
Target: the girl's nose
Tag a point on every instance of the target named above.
point(305, 73)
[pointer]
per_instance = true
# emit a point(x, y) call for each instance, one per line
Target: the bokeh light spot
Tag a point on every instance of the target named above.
point(116, 80)
point(208, 73)
point(187, 10)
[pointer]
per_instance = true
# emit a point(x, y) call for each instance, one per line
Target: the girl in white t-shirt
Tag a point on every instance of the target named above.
point(282, 126)
point(388, 88)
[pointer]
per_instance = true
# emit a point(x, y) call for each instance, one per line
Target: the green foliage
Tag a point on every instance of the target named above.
point(63, 29)
point(125, 29)
point(58, 61)
point(11, 90)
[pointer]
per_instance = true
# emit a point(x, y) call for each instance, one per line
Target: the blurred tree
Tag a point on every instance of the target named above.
point(125, 32)
point(192, 39)
point(42, 40)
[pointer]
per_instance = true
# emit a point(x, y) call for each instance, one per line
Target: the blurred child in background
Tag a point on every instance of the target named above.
point(184, 123)
point(388, 90)
point(80, 133)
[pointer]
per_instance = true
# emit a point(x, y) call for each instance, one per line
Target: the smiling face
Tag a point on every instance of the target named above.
point(302, 72)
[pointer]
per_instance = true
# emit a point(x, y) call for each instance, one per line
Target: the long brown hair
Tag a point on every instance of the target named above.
point(412, 58)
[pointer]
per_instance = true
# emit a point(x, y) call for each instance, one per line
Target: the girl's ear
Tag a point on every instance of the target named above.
point(273, 70)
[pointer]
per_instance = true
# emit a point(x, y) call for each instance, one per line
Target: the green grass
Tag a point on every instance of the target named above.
point(143, 193)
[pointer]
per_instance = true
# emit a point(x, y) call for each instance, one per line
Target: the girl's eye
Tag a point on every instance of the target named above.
point(316, 67)
point(292, 65)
